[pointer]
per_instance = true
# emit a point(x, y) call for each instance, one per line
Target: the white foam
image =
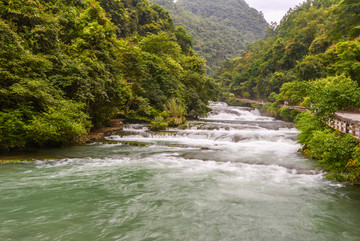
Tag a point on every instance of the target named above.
point(235, 113)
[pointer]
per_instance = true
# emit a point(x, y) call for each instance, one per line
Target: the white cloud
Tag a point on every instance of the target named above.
point(273, 10)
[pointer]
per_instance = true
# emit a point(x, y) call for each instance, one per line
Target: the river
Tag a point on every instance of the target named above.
point(234, 175)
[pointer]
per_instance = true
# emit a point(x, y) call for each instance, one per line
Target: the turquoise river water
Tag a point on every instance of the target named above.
point(234, 175)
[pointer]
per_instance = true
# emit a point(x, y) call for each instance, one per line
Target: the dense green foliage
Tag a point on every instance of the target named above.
point(311, 59)
point(336, 152)
point(306, 47)
point(68, 66)
point(221, 29)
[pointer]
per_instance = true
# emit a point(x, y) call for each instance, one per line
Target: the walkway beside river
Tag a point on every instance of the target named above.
point(299, 108)
point(345, 122)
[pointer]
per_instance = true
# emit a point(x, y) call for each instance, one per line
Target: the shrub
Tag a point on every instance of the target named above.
point(288, 114)
point(158, 124)
point(176, 112)
point(333, 149)
point(307, 124)
point(12, 130)
point(273, 96)
point(353, 166)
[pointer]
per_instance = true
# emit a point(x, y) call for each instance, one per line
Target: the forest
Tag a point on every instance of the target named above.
point(221, 29)
point(68, 66)
point(311, 59)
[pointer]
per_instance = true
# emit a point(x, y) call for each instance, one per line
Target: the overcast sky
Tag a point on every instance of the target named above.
point(273, 10)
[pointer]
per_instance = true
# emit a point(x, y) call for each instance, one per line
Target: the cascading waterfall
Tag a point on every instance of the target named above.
point(234, 175)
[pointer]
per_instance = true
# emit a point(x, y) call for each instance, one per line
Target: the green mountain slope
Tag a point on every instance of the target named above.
point(221, 29)
point(318, 39)
point(69, 66)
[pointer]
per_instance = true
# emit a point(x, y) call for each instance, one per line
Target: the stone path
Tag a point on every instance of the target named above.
point(355, 117)
point(299, 108)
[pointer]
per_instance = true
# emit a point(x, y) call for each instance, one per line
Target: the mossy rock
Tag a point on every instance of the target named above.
point(111, 142)
point(183, 127)
point(16, 161)
point(134, 143)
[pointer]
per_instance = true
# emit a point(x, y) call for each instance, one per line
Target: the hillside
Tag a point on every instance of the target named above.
point(315, 40)
point(221, 29)
point(69, 66)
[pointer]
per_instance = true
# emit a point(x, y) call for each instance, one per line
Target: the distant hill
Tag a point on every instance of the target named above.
point(221, 29)
point(316, 40)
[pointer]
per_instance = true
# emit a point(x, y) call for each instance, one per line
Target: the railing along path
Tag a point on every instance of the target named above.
point(344, 122)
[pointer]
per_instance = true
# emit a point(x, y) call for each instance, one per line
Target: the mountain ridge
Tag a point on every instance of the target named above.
point(221, 34)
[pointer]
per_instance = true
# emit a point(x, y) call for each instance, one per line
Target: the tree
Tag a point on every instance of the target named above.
point(310, 68)
point(68, 66)
point(331, 94)
point(348, 18)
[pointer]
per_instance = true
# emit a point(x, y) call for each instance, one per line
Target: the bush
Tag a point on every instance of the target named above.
point(338, 153)
point(22, 128)
point(158, 124)
point(230, 99)
point(333, 149)
point(60, 124)
point(288, 114)
point(307, 124)
point(12, 130)
point(176, 112)
point(273, 96)
point(353, 166)
point(272, 108)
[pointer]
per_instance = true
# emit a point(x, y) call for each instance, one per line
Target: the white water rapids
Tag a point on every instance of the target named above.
point(234, 175)
point(229, 134)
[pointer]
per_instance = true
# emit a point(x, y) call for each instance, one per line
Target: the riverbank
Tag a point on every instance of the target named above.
point(99, 134)
point(94, 136)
